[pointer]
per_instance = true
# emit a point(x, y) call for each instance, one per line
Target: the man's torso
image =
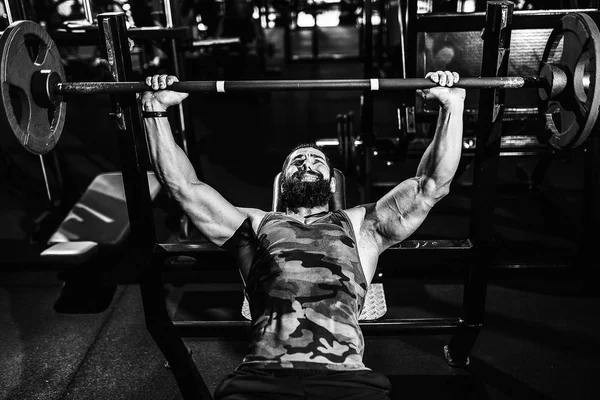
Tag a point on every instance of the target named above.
point(306, 289)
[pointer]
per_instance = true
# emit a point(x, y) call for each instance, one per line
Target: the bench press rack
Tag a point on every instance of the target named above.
point(164, 258)
point(168, 334)
point(158, 260)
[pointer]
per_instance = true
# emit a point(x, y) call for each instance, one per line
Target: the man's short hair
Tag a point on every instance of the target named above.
point(312, 145)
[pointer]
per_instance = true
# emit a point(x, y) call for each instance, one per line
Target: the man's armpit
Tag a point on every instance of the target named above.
point(244, 236)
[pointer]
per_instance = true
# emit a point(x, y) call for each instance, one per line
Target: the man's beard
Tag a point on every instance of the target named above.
point(296, 193)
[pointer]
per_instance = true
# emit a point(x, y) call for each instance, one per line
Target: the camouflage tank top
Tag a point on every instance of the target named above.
point(306, 289)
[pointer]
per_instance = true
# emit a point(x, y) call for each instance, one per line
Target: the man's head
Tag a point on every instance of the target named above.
point(307, 177)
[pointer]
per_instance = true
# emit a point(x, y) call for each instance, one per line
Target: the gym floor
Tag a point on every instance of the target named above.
point(540, 340)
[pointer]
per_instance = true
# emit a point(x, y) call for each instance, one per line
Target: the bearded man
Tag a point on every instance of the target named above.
point(307, 270)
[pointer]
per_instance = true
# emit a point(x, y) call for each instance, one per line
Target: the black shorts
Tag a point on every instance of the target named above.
point(247, 383)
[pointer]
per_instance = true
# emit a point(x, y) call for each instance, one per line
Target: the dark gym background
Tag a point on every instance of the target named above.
point(541, 336)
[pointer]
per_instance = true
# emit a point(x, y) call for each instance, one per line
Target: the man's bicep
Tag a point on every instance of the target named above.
point(400, 212)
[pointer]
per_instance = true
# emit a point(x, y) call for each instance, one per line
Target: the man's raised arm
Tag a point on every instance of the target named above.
point(401, 211)
point(213, 215)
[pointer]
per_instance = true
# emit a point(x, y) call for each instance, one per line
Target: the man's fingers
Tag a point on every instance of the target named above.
point(171, 80)
point(442, 78)
point(162, 81)
point(449, 78)
point(433, 76)
point(155, 83)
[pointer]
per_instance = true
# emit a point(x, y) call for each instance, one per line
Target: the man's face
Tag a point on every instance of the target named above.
point(306, 179)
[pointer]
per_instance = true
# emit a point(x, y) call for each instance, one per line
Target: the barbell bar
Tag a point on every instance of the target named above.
point(76, 88)
point(32, 84)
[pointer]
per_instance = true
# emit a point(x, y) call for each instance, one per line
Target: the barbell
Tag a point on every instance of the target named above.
point(32, 84)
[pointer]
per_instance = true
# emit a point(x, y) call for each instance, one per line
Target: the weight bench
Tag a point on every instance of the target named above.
point(97, 225)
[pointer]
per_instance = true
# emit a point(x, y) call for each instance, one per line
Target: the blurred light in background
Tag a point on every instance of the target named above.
point(324, 19)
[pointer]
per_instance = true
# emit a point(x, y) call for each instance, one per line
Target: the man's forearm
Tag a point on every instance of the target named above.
point(441, 158)
point(173, 168)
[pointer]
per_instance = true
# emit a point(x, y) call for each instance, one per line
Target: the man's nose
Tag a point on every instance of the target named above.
point(306, 166)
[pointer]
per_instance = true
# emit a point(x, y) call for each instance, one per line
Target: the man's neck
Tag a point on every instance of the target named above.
point(304, 213)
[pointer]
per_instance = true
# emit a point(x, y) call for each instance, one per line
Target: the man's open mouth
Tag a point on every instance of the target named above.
point(307, 176)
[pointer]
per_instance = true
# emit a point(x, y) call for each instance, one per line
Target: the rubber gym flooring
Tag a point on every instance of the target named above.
point(540, 340)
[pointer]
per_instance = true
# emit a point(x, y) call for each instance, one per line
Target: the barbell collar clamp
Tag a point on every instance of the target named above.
point(557, 81)
point(43, 88)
